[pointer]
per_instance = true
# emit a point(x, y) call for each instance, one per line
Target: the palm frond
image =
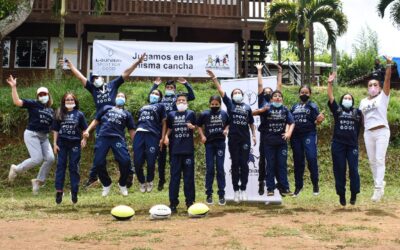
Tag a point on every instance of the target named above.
point(395, 13)
point(382, 5)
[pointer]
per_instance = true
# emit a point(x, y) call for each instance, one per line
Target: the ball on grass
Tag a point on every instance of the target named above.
point(198, 210)
point(122, 212)
point(159, 212)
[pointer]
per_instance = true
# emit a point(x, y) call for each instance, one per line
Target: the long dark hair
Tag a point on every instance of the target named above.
point(215, 98)
point(159, 93)
point(62, 110)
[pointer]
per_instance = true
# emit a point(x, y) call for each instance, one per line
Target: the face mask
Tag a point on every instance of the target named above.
point(304, 98)
point(347, 103)
point(373, 91)
point(169, 92)
point(120, 101)
point(276, 104)
point(154, 98)
point(182, 107)
point(70, 106)
point(238, 98)
point(214, 109)
point(98, 82)
point(43, 99)
point(268, 97)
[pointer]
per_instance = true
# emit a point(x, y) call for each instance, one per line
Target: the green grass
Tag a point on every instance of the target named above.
point(281, 231)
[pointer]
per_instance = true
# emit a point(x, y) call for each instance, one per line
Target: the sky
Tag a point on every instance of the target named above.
point(361, 13)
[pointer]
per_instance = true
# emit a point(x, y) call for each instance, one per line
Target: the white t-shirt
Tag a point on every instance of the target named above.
point(375, 111)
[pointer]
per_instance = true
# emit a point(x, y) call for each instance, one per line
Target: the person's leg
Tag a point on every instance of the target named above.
point(188, 180)
point(298, 161)
point(62, 158)
point(370, 146)
point(310, 146)
point(269, 152)
point(152, 148)
point(93, 170)
point(139, 148)
point(102, 147)
point(175, 179)
point(339, 156)
point(32, 143)
point(234, 150)
point(352, 159)
point(382, 143)
point(74, 161)
point(210, 155)
point(244, 154)
point(220, 159)
point(162, 158)
point(281, 168)
point(48, 158)
point(121, 155)
point(261, 167)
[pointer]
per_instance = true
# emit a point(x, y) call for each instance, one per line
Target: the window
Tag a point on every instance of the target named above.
point(6, 53)
point(31, 53)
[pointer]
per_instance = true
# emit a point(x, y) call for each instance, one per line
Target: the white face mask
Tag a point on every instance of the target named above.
point(98, 82)
point(70, 106)
point(238, 98)
point(43, 99)
point(182, 107)
point(347, 103)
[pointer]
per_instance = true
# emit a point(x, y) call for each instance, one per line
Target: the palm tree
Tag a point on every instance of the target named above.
point(394, 10)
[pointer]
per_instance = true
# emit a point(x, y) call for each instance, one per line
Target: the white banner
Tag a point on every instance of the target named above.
point(169, 59)
point(249, 86)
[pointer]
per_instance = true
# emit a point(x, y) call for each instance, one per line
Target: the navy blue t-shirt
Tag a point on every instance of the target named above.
point(304, 117)
point(275, 120)
point(170, 101)
point(71, 127)
point(106, 94)
point(214, 124)
point(181, 137)
point(151, 117)
point(40, 116)
point(241, 116)
point(347, 124)
point(114, 121)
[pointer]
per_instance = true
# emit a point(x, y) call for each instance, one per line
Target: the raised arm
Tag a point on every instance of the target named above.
point(74, 71)
point(279, 83)
point(330, 87)
point(260, 111)
point(388, 75)
point(216, 83)
point(14, 93)
point(156, 83)
point(259, 67)
point(190, 94)
point(129, 70)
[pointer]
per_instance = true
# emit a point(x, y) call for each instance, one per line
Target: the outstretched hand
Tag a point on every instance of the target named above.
point(141, 58)
point(389, 59)
point(12, 81)
point(210, 73)
point(259, 66)
point(331, 77)
point(157, 81)
point(182, 80)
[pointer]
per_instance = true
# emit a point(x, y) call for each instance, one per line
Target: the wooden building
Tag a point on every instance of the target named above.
point(30, 50)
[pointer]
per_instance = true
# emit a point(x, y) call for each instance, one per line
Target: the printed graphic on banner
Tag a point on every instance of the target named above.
point(171, 59)
point(249, 86)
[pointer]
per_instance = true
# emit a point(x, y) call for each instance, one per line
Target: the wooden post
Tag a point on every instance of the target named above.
point(246, 37)
point(279, 52)
point(79, 31)
point(173, 32)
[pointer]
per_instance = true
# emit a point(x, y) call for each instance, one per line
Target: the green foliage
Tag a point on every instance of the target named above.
point(7, 7)
point(289, 52)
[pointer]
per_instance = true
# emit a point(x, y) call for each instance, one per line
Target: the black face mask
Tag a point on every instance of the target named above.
point(214, 109)
point(304, 98)
point(268, 97)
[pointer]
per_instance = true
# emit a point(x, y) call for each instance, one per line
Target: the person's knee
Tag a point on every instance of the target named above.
point(37, 159)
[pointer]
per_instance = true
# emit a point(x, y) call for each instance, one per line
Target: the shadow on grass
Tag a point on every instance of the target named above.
point(379, 212)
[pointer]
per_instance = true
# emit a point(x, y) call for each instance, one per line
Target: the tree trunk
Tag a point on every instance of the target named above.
point(334, 60)
point(300, 45)
point(60, 51)
point(312, 54)
point(307, 57)
point(10, 23)
point(1, 60)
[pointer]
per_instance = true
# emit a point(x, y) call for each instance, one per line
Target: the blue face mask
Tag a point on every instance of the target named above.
point(277, 104)
point(154, 98)
point(347, 103)
point(169, 92)
point(120, 101)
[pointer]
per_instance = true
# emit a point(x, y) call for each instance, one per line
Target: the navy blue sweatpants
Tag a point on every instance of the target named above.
point(276, 157)
point(121, 155)
point(162, 159)
point(70, 152)
point(342, 153)
point(261, 162)
point(215, 153)
point(146, 147)
point(182, 164)
point(305, 145)
point(239, 150)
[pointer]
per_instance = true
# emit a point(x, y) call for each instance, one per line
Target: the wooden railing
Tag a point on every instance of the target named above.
point(243, 9)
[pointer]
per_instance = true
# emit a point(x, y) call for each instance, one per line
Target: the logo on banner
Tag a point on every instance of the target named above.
point(217, 62)
point(110, 52)
point(251, 97)
point(253, 168)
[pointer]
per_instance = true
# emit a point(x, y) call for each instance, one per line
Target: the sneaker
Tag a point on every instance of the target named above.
point(377, 196)
point(222, 201)
point(129, 181)
point(209, 200)
point(13, 173)
point(353, 199)
point(316, 190)
point(236, 196)
point(90, 182)
point(261, 188)
point(106, 191)
point(123, 190)
point(173, 209)
point(342, 199)
point(149, 186)
point(270, 193)
point(296, 192)
point(143, 187)
point(243, 195)
point(35, 186)
point(285, 192)
point(74, 197)
point(59, 196)
point(160, 185)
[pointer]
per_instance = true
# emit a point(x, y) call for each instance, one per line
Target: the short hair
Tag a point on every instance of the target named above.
point(234, 91)
point(171, 82)
point(182, 94)
point(215, 98)
point(305, 86)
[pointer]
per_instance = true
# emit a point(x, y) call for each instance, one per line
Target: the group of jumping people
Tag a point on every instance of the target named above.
point(167, 124)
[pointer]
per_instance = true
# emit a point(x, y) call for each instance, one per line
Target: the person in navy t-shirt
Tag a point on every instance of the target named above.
point(241, 119)
point(114, 120)
point(169, 102)
point(344, 147)
point(216, 127)
point(151, 129)
point(68, 127)
point(36, 134)
point(103, 94)
point(304, 139)
point(276, 129)
point(181, 125)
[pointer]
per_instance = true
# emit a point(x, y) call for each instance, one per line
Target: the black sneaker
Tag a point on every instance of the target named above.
point(129, 181)
point(222, 201)
point(59, 196)
point(160, 185)
point(296, 192)
point(316, 190)
point(285, 192)
point(342, 199)
point(261, 188)
point(353, 199)
point(74, 197)
point(209, 200)
point(270, 193)
point(173, 209)
point(90, 182)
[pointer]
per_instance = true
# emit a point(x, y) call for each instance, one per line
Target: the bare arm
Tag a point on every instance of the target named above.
point(166, 139)
point(75, 71)
point(330, 87)
point(216, 83)
point(14, 93)
point(253, 132)
point(260, 111)
point(388, 75)
point(288, 131)
point(132, 134)
point(92, 125)
point(202, 136)
point(55, 146)
point(163, 132)
point(259, 78)
point(129, 70)
point(279, 83)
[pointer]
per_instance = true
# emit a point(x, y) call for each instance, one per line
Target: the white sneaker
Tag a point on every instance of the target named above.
point(123, 190)
point(13, 173)
point(243, 195)
point(149, 186)
point(377, 196)
point(143, 187)
point(106, 191)
point(236, 196)
point(35, 186)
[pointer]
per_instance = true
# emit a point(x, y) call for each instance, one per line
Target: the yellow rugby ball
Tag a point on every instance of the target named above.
point(198, 210)
point(122, 212)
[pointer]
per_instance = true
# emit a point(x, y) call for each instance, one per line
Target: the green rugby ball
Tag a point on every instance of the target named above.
point(122, 212)
point(198, 210)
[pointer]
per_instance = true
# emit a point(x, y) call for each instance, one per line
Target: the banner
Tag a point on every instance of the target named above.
point(168, 59)
point(249, 86)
